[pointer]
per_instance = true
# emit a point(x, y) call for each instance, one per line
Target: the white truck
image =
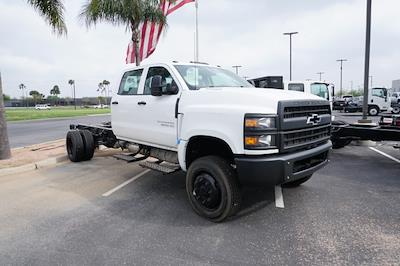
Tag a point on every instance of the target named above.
point(215, 126)
point(319, 88)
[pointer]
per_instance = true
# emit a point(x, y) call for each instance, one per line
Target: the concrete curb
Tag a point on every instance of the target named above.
point(33, 166)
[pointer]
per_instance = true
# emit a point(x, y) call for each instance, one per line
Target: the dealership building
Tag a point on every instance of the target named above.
point(396, 85)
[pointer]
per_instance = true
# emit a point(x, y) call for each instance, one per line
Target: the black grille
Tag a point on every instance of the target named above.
point(306, 136)
point(300, 111)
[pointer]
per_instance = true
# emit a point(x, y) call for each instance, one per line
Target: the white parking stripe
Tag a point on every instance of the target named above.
point(279, 197)
point(108, 193)
point(385, 154)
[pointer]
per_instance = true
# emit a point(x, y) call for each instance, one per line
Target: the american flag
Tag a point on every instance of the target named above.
point(150, 32)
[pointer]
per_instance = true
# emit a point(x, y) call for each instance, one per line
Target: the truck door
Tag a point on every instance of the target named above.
point(125, 110)
point(379, 97)
point(158, 121)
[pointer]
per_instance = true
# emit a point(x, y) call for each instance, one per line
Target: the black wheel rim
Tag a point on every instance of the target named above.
point(206, 191)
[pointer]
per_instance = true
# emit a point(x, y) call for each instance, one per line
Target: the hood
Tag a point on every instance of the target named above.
point(247, 99)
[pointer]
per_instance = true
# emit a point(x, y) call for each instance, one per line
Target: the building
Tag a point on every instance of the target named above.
point(396, 85)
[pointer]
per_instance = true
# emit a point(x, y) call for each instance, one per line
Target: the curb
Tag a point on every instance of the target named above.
point(33, 166)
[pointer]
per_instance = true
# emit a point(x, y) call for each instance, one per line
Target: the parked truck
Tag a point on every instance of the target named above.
point(213, 125)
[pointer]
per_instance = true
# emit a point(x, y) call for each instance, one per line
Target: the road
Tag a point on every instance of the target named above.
point(347, 214)
point(36, 131)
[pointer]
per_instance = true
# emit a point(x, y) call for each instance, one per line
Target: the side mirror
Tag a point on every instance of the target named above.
point(172, 88)
point(156, 86)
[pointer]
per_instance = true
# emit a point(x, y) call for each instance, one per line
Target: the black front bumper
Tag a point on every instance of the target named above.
point(281, 168)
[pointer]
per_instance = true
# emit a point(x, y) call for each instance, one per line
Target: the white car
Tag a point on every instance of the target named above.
point(42, 107)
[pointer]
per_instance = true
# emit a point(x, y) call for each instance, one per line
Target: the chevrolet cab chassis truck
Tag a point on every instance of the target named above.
point(213, 125)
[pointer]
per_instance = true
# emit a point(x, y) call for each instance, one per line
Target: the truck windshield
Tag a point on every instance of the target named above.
point(197, 77)
point(320, 89)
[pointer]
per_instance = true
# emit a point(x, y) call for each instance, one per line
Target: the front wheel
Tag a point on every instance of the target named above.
point(212, 188)
point(373, 110)
point(396, 110)
point(297, 182)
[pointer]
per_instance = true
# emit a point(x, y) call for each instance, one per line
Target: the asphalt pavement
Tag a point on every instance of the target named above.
point(108, 212)
point(26, 133)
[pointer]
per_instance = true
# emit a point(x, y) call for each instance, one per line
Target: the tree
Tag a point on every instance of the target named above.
point(22, 87)
point(55, 91)
point(129, 13)
point(37, 96)
point(71, 82)
point(6, 97)
point(5, 151)
point(106, 85)
point(53, 13)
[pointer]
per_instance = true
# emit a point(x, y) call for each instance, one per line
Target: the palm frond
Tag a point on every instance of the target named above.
point(53, 13)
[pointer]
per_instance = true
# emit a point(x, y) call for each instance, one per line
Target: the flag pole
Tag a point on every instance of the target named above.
point(197, 31)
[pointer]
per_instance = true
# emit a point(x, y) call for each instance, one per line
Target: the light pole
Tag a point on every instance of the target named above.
point(290, 51)
point(341, 75)
point(320, 75)
point(366, 64)
point(237, 69)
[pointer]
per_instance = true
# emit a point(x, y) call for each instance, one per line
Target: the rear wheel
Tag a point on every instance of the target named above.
point(88, 143)
point(212, 188)
point(297, 182)
point(373, 110)
point(75, 146)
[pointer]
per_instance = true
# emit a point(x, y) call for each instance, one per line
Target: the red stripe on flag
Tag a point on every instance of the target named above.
point(176, 6)
point(144, 29)
point(150, 44)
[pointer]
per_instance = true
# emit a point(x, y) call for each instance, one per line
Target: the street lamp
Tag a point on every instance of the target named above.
point(237, 69)
point(290, 51)
point(320, 75)
point(341, 75)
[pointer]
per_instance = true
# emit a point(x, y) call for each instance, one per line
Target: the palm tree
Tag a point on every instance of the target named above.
point(55, 91)
point(106, 85)
point(71, 82)
point(22, 87)
point(129, 13)
point(5, 151)
point(53, 13)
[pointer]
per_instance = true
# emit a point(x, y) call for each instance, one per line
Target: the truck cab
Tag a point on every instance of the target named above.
point(318, 88)
point(378, 101)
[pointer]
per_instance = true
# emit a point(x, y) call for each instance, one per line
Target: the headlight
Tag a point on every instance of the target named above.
point(259, 122)
point(260, 131)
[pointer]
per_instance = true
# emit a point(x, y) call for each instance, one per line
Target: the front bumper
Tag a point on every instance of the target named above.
point(281, 168)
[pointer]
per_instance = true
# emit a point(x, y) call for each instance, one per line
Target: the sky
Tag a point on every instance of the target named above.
point(231, 32)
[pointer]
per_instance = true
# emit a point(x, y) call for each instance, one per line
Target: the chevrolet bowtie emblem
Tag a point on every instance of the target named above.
point(313, 119)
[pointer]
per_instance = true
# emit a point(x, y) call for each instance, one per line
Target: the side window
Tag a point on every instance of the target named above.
point(155, 71)
point(378, 93)
point(296, 87)
point(130, 82)
point(320, 90)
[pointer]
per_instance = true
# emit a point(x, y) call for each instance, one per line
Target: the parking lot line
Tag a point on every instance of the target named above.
point(385, 154)
point(108, 193)
point(279, 197)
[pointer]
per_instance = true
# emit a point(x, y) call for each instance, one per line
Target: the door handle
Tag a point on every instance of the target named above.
point(114, 103)
point(141, 103)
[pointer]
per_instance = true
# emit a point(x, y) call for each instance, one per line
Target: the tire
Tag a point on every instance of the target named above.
point(88, 144)
point(373, 110)
point(396, 110)
point(340, 143)
point(297, 182)
point(212, 188)
point(75, 146)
